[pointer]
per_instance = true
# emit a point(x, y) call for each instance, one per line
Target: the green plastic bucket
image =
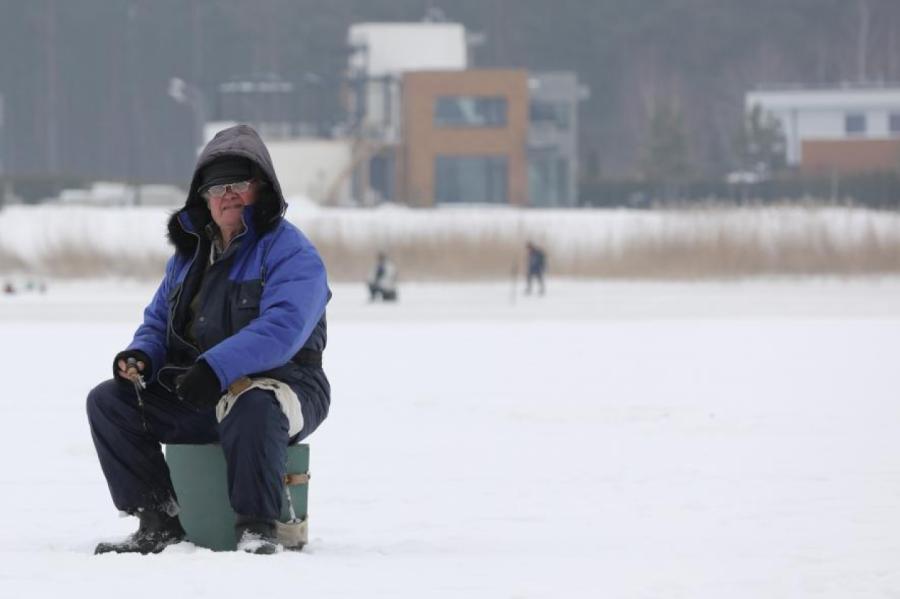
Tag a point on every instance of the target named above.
point(200, 478)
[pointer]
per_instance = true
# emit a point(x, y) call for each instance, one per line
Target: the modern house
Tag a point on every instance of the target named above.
point(429, 129)
point(839, 130)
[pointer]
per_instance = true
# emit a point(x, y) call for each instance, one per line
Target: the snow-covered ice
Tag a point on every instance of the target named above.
point(618, 440)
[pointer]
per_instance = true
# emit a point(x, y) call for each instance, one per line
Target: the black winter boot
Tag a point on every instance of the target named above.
point(257, 536)
point(157, 531)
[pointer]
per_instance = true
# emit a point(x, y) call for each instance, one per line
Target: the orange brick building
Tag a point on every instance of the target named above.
point(847, 156)
point(464, 137)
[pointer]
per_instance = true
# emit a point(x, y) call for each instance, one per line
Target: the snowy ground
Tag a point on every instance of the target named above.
point(614, 440)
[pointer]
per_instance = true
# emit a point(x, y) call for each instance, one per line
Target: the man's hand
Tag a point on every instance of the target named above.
point(199, 386)
point(122, 370)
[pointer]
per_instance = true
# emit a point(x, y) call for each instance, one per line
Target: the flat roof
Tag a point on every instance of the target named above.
point(824, 98)
point(393, 48)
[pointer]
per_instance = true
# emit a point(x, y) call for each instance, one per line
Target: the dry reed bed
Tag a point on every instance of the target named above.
point(683, 244)
point(471, 244)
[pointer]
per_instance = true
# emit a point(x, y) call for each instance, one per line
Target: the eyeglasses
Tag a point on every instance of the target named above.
point(217, 191)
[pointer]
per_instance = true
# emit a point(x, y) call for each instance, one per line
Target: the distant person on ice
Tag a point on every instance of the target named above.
point(230, 349)
point(536, 264)
point(383, 281)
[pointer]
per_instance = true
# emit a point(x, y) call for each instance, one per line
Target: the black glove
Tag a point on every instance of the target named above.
point(137, 355)
point(199, 386)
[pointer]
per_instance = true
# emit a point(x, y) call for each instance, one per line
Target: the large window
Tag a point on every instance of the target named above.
point(471, 179)
point(553, 114)
point(470, 111)
point(894, 123)
point(855, 124)
point(548, 179)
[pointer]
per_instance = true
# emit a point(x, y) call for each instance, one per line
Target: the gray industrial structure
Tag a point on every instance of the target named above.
point(553, 138)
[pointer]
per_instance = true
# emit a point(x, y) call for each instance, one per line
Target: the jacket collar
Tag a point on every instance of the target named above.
point(189, 223)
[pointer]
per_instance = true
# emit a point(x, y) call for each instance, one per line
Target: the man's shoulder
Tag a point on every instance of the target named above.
point(288, 238)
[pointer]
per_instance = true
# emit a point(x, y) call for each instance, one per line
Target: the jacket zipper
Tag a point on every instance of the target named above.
point(174, 308)
point(171, 317)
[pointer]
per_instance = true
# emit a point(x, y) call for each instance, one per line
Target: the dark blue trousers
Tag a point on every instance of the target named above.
point(254, 437)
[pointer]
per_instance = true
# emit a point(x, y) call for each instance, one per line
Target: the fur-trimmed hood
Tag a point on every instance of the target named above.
point(269, 208)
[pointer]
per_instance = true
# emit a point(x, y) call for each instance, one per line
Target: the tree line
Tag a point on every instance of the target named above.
point(84, 84)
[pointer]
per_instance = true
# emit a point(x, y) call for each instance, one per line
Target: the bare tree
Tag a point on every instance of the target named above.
point(862, 40)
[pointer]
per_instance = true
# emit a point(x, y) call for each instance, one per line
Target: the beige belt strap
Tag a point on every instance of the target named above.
point(287, 399)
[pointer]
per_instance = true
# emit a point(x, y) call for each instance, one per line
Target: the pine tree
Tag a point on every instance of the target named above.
point(761, 143)
point(665, 153)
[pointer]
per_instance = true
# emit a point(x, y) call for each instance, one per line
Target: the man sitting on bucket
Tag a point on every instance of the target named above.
point(230, 350)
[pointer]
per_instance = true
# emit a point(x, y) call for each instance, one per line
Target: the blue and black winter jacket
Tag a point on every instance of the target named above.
point(257, 310)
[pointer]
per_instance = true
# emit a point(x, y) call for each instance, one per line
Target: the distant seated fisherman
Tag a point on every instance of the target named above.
point(230, 349)
point(383, 281)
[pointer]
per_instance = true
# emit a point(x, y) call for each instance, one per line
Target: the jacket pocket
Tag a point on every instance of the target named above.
point(249, 294)
point(246, 303)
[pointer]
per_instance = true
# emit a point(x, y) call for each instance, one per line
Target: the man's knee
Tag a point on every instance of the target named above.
point(255, 410)
point(103, 398)
point(254, 420)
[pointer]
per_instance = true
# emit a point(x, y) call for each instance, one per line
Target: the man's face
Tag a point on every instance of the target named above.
point(226, 209)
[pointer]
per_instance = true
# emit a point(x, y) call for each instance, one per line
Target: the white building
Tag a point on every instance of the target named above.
point(381, 53)
point(314, 168)
point(111, 193)
point(813, 115)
